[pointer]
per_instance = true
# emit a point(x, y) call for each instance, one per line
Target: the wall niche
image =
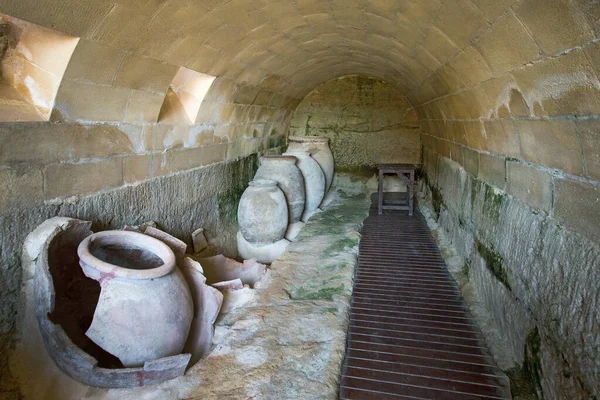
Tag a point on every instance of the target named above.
point(184, 97)
point(33, 60)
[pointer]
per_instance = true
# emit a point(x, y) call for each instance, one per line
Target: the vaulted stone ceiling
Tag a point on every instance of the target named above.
point(424, 47)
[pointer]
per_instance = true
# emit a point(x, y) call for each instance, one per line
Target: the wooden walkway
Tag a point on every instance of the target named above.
point(411, 336)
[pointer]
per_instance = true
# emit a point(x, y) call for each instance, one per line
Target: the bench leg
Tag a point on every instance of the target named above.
point(380, 194)
point(411, 194)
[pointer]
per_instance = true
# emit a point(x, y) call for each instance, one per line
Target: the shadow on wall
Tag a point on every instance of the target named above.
point(367, 121)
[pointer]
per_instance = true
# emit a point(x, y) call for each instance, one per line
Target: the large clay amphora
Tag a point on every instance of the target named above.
point(145, 308)
point(263, 212)
point(318, 147)
point(314, 181)
point(283, 170)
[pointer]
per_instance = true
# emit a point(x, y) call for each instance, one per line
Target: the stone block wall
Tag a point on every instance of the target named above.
point(366, 120)
point(526, 241)
point(511, 148)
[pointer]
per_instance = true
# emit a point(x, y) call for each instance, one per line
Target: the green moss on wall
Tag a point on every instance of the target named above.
point(465, 270)
point(526, 381)
point(493, 203)
point(277, 141)
point(532, 367)
point(475, 188)
point(493, 262)
point(437, 200)
point(227, 201)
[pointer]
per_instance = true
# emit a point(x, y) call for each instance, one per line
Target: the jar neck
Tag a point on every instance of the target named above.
point(309, 140)
point(262, 183)
point(297, 154)
point(278, 160)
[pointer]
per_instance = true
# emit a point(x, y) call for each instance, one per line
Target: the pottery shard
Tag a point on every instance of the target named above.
point(199, 240)
point(220, 268)
point(187, 262)
point(234, 284)
point(207, 304)
point(235, 294)
point(178, 246)
point(139, 228)
point(39, 259)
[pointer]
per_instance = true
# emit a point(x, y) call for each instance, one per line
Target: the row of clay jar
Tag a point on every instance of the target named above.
point(285, 192)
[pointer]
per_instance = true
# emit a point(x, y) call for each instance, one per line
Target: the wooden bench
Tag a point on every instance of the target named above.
point(406, 172)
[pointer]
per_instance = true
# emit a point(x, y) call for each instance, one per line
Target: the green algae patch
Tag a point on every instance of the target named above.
point(277, 141)
point(336, 266)
point(532, 367)
point(312, 293)
point(492, 201)
point(493, 204)
point(228, 207)
point(465, 271)
point(227, 202)
point(493, 262)
point(437, 200)
point(526, 381)
point(339, 246)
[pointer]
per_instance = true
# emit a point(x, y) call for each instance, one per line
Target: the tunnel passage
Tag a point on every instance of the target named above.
point(506, 93)
point(367, 121)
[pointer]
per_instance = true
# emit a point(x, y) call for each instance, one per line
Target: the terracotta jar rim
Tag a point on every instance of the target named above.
point(262, 183)
point(285, 159)
point(308, 139)
point(134, 239)
point(297, 153)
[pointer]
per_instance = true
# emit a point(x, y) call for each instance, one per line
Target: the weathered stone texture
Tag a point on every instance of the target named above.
point(503, 55)
point(366, 120)
point(525, 269)
point(578, 205)
point(20, 187)
point(551, 143)
point(492, 170)
point(530, 185)
point(589, 134)
point(555, 24)
point(81, 179)
point(94, 63)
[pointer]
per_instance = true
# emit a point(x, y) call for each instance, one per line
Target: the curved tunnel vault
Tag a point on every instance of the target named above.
point(505, 91)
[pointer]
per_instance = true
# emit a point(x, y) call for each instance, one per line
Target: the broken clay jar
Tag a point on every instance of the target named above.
point(318, 147)
point(283, 170)
point(145, 308)
point(314, 181)
point(263, 212)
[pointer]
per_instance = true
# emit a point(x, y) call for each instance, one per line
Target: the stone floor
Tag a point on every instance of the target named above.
point(286, 342)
